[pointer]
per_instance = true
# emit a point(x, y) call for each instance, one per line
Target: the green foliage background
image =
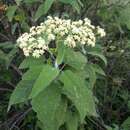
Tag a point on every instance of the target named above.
point(111, 90)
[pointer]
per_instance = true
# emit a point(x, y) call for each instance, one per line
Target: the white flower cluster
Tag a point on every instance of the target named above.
point(73, 33)
point(101, 31)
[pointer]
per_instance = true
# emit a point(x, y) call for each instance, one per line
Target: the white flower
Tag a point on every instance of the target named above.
point(32, 39)
point(70, 41)
point(75, 30)
point(26, 52)
point(23, 44)
point(36, 54)
point(32, 29)
point(101, 31)
point(87, 21)
point(90, 42)
point(41, 41)
point(51, 37)
point(76, 37)
point(83, 42)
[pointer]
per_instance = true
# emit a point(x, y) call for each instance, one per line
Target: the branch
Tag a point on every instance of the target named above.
point(6, 89)
point(16, 69)
point(20, 118)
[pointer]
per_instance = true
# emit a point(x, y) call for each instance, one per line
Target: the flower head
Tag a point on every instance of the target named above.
point(73, 33)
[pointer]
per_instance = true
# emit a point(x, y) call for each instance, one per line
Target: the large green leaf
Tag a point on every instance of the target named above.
point(32, 73)
point(31, 61)
point(75, 59)
point(61, 112)
point(71, 120)
point(47, 75)
point(79, 94)
point(92, 75)
point(43, 8)
point(21, 92)
point(46, 105)
point(10, 12)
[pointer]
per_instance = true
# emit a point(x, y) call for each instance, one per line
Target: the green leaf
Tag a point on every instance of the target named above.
point(126, 124)
point(32, 73)
point(82, 73)
point(100, 55)
point(75, 59)
point(73, 3)
point(30, 1)
point(61, 53)
point(61, 112)
point(10, 12)
point(14, 27)
point(31, 61)
point(71, 120)
point(97, 48)
point(3, 56)
point(109, 128)
point(11, 55)
point(80, 3)
point(7, 45)
point(92, 75)
point(46, 105)
point(8, 57)
point(21, 92)
point(43, 9)
point(18, 2)
point(47, 75)
point(125, 16)
point(76, 6)
point(98, 69)
point(79, 94)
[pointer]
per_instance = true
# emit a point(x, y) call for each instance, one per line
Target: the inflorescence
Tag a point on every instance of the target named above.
point(72, 33)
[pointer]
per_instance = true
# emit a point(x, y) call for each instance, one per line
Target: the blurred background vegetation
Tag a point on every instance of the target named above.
point(112, 91)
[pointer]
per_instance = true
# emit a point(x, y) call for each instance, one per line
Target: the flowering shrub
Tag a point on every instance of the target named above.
point(60, 82)
point(75, 66)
